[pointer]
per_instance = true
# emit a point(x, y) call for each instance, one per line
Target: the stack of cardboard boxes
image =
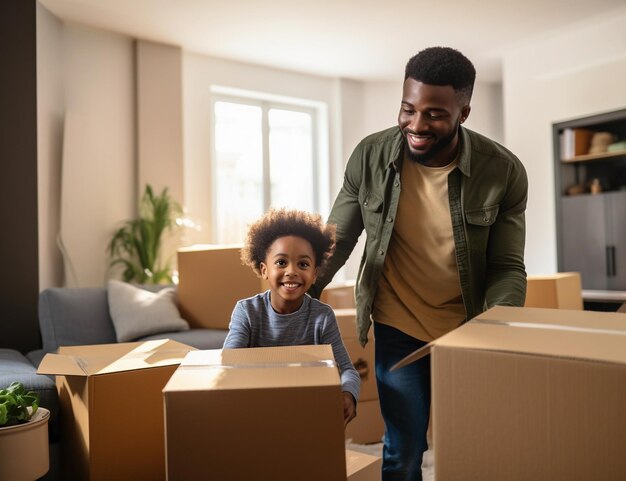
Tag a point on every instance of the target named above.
point(368, 426)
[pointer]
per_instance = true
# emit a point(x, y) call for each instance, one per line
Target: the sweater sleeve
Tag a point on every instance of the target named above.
point(239, 329)
point(350, 379)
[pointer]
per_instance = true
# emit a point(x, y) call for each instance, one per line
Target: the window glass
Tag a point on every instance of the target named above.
point(264, 157)
point(291, 159)
point(238, 182)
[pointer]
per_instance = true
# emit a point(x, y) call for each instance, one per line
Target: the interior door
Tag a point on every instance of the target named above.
point(583, 227)
point(616, 239)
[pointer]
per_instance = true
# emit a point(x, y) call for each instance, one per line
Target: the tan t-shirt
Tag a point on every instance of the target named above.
point(419, 292)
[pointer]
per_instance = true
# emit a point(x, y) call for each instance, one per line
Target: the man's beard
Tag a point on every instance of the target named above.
point(432, 152)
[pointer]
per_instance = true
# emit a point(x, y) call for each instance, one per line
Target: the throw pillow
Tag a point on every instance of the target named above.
point(138, 313)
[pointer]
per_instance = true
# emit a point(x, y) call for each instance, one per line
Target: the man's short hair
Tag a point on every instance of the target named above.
point(443, 66)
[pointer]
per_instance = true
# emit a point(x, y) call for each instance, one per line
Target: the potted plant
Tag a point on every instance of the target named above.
point(136, 246)
point(23, 434)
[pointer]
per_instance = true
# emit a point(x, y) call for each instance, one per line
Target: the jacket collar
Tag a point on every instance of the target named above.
point(395, 159)
point(466, 151)
point(464, 157)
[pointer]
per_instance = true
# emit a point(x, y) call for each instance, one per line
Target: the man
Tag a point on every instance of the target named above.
point(443, 208)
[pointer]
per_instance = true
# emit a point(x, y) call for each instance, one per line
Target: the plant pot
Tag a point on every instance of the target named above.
point(24, 448)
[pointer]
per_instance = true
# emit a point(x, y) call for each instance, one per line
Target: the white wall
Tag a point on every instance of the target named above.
point(576, 73)
point(98, 181)
point(50, 112)
point(486, 115)
point(159, 118)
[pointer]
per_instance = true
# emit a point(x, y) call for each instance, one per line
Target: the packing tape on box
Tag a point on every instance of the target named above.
point(554, 327)
point(261, 365)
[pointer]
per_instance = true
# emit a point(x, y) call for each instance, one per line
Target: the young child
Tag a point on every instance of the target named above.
point(288, 248)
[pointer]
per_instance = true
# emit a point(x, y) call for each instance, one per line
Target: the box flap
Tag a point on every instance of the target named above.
point(262, 367)
point(109, 358)
point(588, 335)
point(362, 466)
point(60, 364)
point(414, 356)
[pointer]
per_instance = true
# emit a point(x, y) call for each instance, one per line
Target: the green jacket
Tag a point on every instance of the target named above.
point(487, 192)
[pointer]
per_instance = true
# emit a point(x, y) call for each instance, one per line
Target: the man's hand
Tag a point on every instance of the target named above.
point(349, 408)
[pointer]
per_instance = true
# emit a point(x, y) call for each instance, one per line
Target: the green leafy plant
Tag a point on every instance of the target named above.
point(136, 245)
point(17, 405)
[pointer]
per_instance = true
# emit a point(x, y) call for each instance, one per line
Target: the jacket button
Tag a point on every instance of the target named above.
point(381, 252)
point(389, 219)
point(365, 203)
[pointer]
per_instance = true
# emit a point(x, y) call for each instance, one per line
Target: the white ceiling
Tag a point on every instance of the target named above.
point(357, 39)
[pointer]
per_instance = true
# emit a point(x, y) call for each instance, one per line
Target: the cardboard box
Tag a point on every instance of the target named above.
point(363, 467)
point(264, 413)
point(339, 295)
point(211, 279)
point(557, 291)
point(368, 425)
point(527, 393)
point(111, 408)
point(361, 357)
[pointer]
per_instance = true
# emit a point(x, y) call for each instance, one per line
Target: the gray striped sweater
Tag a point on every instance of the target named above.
point(254, 323)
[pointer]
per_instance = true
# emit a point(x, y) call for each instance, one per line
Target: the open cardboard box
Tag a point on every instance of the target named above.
point(111, 408)
point(529, 393)
point(272, 413)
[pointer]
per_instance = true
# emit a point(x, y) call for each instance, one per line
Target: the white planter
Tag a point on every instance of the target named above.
point(24, 449)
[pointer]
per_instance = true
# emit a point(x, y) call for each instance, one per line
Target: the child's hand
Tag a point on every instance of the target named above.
point(349, 408)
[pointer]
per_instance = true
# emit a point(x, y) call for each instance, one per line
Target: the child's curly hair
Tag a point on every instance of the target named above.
point(281, 223)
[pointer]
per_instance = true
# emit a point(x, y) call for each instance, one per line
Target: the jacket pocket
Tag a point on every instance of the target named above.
point(482, 217)
point(479, 222)
point(371, 209)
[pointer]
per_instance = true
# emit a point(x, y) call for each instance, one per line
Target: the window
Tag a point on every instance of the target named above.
point(265, 155)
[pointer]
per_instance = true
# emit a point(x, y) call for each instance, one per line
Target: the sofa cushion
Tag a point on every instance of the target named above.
point(198, 338)
point(74, 316)
point(14, 367)
point(138, 313)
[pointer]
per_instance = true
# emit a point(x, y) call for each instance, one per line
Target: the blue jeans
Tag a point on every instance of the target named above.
point(404, 397)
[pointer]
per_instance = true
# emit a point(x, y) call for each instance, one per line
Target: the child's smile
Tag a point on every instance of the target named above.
point(290, 269)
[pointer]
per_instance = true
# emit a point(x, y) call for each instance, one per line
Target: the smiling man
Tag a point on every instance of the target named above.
point(443, 209)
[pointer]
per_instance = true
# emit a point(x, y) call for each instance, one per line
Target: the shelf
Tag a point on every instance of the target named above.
point(598, 295)
point(588, 157)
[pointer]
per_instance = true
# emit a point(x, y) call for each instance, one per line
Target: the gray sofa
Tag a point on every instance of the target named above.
point(80, 316)
point(71, 317)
